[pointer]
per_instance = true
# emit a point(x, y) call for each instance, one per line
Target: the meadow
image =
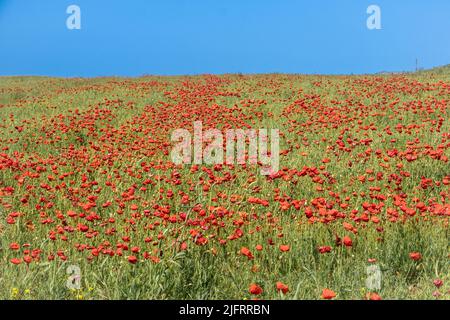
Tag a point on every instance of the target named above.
point(92, 207)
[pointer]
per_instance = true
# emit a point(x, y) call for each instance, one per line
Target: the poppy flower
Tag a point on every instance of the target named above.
point(416, 256)
point(282, 287)
point(132, 259)
point(436, 294)
point(324, 249)
point(246, 252)
point(328, 294)
point(135, 249)
point(374, 296)
point(438, 283)
point(284, 248)
point(347, 241)
point(15, 261)
point(255, 289)
point(14, 246)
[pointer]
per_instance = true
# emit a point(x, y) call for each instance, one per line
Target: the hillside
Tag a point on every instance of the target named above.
point(441, 70)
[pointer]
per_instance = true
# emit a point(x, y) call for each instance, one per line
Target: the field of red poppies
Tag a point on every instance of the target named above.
point(92, 207)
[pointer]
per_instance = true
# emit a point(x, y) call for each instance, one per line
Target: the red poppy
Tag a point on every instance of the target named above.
point(282, 287)
point(14, 246)
point(15, 261)
point(27, 259)
point(255, 289)
point(135, 249)
point(416, 256)
point(438, 283)
point(284, 248)
point(328, 294)
point(246, 252)
point(374, 296)
point(347, 241)
point(324, 249)
point(132, 259)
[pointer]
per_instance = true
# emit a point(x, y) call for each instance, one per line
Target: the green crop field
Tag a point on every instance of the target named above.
point(93, 207)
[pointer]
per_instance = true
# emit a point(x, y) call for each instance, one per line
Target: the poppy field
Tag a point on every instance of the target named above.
point(92, 207)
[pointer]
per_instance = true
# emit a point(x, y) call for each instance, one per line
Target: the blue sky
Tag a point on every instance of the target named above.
point(135, 37)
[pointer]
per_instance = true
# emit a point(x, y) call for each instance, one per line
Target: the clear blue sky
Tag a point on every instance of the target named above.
point(136, 37)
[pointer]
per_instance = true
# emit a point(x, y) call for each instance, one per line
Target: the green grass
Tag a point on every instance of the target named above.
point(102, 130)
